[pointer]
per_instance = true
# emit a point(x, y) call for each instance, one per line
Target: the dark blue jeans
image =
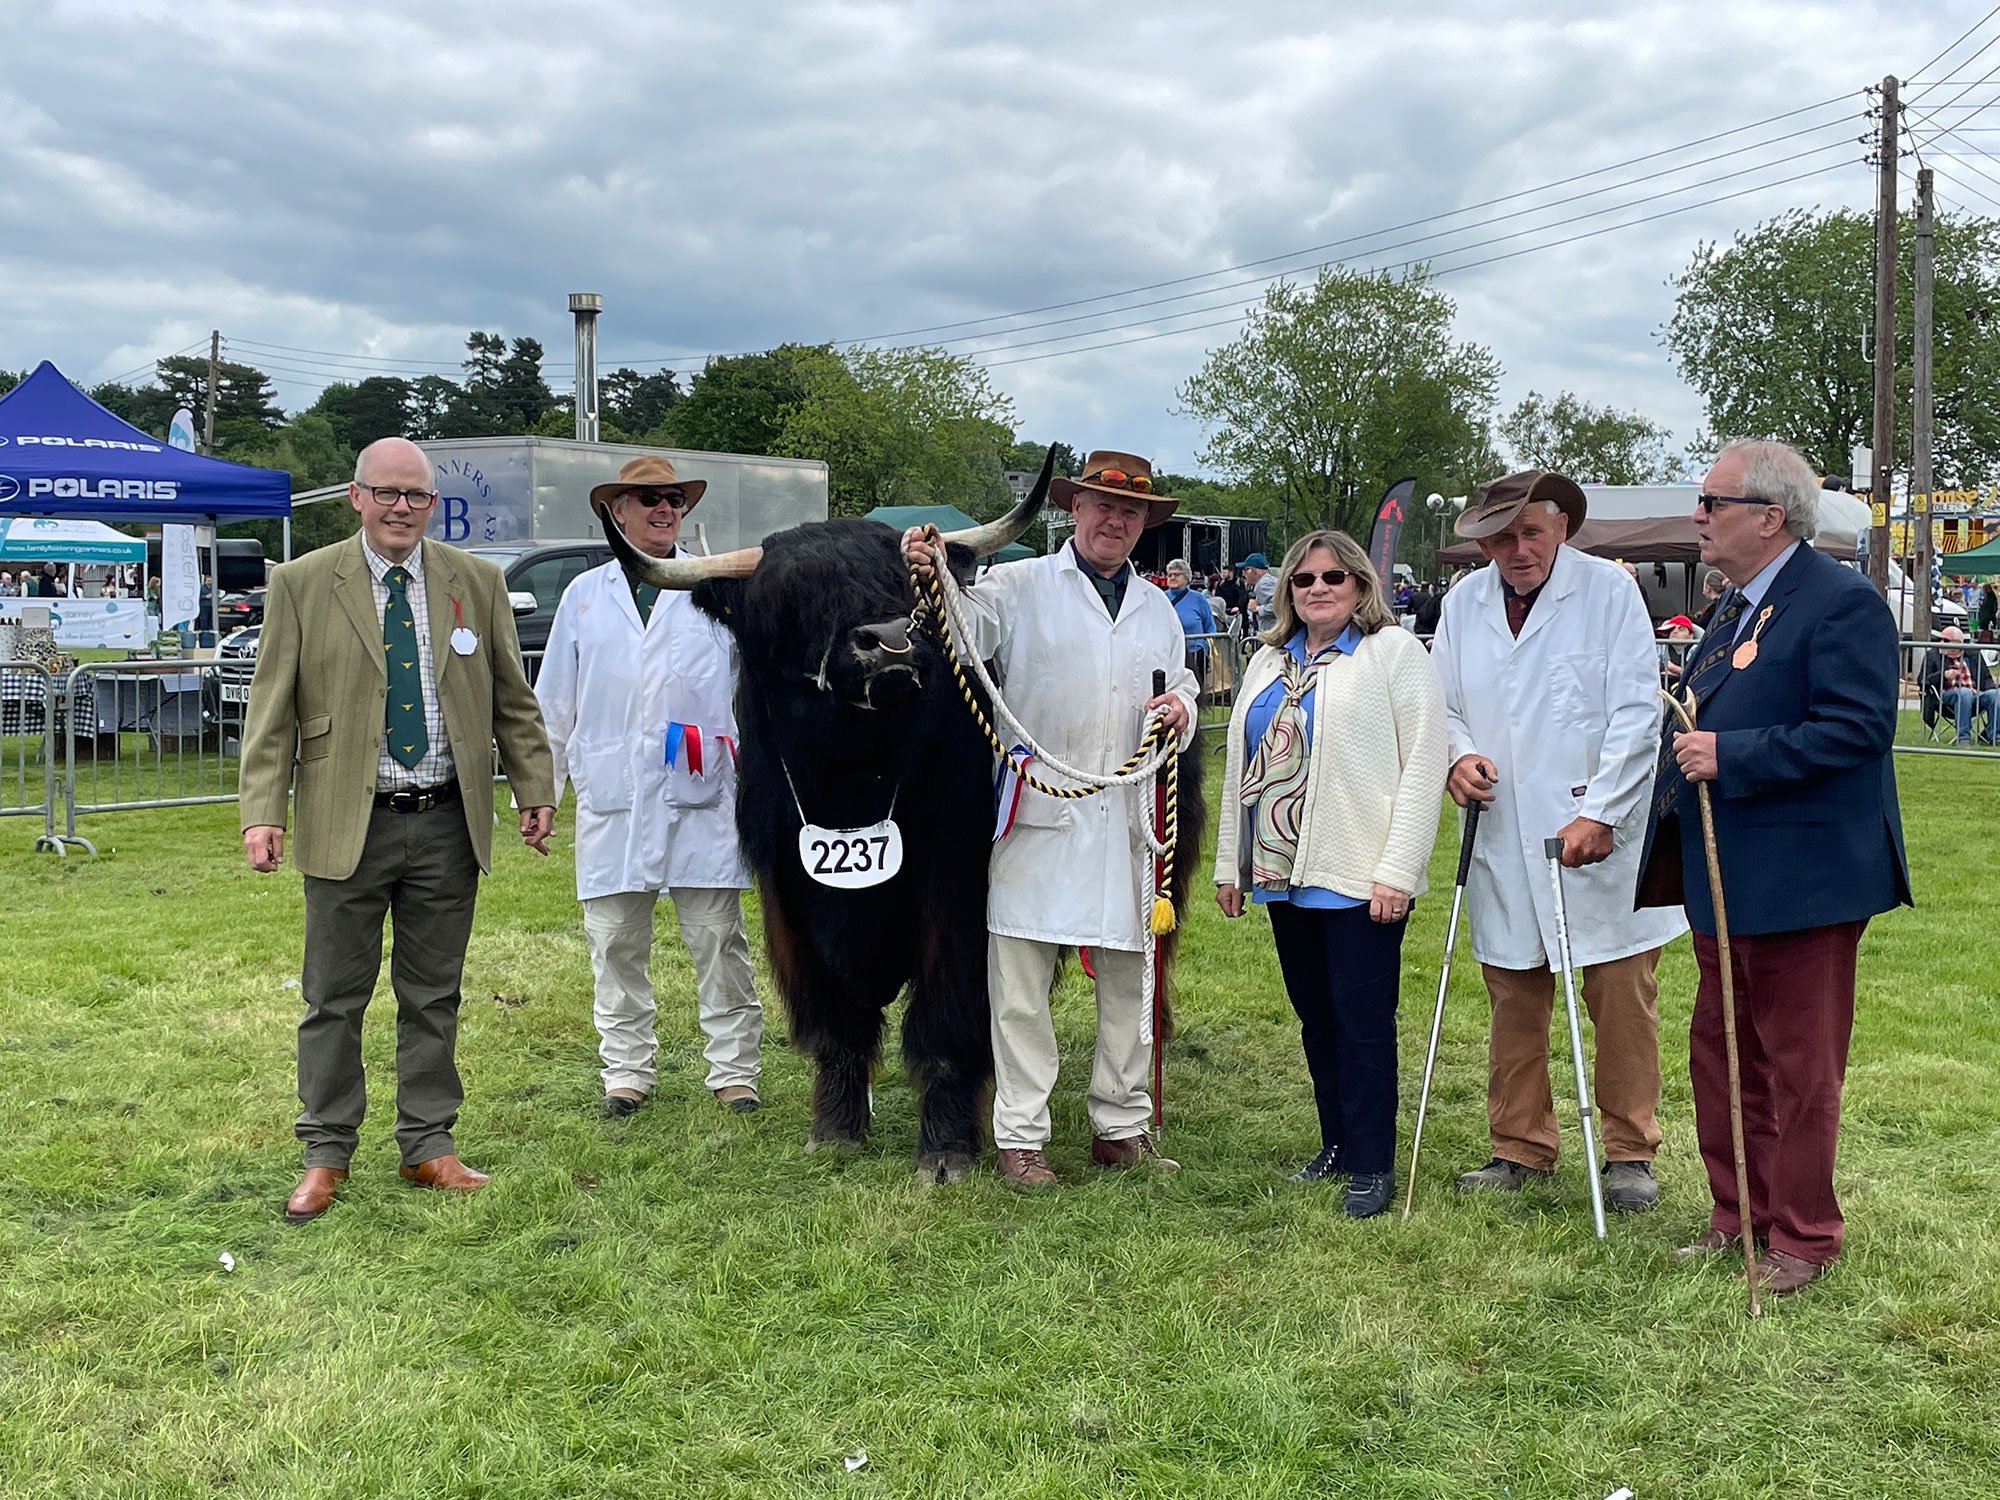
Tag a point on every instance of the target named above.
point(1341, 973)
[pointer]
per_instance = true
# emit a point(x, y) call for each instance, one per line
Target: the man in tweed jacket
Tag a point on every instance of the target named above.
point(387, 671)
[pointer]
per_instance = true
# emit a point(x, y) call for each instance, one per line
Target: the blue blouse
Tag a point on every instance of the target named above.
point(1263, 709)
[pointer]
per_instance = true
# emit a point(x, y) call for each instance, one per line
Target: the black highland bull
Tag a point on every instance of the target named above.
point(849, 715)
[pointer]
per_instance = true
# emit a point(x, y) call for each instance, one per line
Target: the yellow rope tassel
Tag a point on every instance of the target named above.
point(1163, 916)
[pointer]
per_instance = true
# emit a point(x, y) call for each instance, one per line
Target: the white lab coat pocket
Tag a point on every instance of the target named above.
point(687, 789)
point(603, 777)
point(1576, 687)
point(1040, 810)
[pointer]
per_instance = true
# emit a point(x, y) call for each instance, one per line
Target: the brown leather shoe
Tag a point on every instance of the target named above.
point(1131, 1151)
point(1779, 1273)
point(314, 1194)
point(1026, 1170)
point(738, 1098)
point(445, 1173)
point(1712, 1242)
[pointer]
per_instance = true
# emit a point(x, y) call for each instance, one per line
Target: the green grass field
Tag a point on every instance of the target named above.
point(684, 1304)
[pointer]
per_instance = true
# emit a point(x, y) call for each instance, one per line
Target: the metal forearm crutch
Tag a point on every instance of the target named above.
point(1553, 848)
point(1472, 809)
point(1684, 713)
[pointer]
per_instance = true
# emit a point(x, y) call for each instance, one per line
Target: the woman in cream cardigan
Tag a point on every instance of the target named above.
point(1331, 795)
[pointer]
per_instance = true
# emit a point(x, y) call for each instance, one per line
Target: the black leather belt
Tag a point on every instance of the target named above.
point(421, 799)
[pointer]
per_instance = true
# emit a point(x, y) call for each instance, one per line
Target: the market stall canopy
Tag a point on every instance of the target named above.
point(1974, 562)
point(1655, 524)
point(945, 518)
point(61, 454)
point(45, 539)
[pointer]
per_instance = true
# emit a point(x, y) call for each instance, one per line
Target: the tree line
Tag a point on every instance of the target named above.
point(1334, 389)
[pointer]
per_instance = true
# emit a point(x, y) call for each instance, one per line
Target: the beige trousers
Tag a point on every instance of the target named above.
point(1622, 997)
point(1019, 975)
point(620, 930)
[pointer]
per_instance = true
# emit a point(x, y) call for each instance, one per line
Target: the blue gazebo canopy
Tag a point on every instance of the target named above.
point(61, 454)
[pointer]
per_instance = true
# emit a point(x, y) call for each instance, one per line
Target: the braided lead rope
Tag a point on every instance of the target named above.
point(1153, 752)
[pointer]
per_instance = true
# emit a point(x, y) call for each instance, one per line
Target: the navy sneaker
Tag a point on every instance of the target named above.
point(1321, 1167)
point(1368, 1193)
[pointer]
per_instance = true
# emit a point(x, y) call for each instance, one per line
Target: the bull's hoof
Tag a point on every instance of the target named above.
point(943, 1166)
point(833, 1145)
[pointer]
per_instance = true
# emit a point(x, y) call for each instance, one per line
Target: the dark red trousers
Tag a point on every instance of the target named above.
point(1794, 1015)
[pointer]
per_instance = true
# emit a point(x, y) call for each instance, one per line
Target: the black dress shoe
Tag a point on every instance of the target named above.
point(619, 1104)
point(1368, 1193)
point(1321, 1167)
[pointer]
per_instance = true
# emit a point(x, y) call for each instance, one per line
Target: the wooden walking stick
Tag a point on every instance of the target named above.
point(1161, 874)
point(1684, 712)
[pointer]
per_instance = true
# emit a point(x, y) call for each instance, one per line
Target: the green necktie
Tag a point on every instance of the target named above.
point(645, 596)
point(409, 741)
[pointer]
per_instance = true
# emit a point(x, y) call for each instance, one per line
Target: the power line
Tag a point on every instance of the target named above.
point(1448, 251)
point(1449, 270)
point(1951, 45)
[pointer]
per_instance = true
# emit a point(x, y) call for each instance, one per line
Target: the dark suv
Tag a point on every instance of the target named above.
point(544, 570)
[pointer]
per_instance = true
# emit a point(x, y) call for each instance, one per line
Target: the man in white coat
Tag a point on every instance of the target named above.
point(638, 690)
point(1551, 689)
point(1078, 636)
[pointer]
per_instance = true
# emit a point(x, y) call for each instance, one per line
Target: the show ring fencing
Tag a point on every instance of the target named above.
point(109, 737)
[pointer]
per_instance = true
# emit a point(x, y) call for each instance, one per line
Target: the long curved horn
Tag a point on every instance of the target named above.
point(990, 538)
point(677, 573)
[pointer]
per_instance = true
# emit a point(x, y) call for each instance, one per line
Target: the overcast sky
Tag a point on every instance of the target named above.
point(369, 181)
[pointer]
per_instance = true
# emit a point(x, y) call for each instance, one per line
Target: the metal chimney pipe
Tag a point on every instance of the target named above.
point(584, 307)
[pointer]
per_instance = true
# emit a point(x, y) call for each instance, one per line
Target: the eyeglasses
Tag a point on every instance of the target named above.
point(1118, 479)
point(649, 498)
point(386, 496)
point(1709, 502)
point(1333, 578)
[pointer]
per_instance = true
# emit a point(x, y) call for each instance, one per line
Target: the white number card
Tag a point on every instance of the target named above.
point(851, 858)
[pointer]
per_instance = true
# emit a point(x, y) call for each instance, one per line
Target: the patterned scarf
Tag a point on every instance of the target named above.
point(1275, 780)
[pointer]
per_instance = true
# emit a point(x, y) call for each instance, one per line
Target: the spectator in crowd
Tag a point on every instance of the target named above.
point(1260, 610)
point(1797, 680)
point(1425, 608)
point(383, 754)
point(1233, 596)
point(6, 585)
point(624, 663)
point(1989, 608)
point(1958, 682)
point(1712, 585)
point(1197, 619)
point(1330, 805)
point(1678, 634)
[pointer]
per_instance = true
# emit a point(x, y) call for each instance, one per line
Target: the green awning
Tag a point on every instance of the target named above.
point(945, 518)
point(1979, 562)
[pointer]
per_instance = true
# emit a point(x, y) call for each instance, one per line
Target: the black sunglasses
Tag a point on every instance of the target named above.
point(1709, 502)
point(649, 498)
point(1333, 578)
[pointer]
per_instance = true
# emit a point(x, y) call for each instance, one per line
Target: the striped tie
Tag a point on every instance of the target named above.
point(1702, 675)
point(403, 719)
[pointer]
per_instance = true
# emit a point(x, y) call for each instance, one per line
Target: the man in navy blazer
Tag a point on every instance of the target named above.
point(1796, 688)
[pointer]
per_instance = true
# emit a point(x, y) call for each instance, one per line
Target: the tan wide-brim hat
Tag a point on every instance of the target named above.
point(649, 472)
point(1133, 481)
point(1493, 509)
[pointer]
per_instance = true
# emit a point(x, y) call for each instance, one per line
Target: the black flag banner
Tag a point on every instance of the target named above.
point(1389, 529)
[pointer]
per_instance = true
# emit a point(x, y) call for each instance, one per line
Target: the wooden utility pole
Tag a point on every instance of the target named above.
point(1882, 483)
point(214, 373)
point(1921, 476)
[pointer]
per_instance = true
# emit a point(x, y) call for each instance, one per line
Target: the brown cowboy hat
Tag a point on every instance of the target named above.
point(649, 472)
point(1125, 476)
point(1493, 509)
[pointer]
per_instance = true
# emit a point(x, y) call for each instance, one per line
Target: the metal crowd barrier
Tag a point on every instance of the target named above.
point(29, 727)
point(1927, 721)
point(150, 734)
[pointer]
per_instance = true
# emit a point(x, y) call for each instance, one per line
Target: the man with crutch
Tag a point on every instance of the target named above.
point(1794, 696)
point(1551, 696)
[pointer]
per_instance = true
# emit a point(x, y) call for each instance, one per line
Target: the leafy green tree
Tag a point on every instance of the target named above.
point(438, 408)
point(637, 404)
point(1336, 389)
point(1028, 457)
point(739, 404)
point(1591, 444)
point(311, 451)
point(1770, 330)
point(904, 426)
point(11, 378)
point(378, 407)
point(504, 390)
